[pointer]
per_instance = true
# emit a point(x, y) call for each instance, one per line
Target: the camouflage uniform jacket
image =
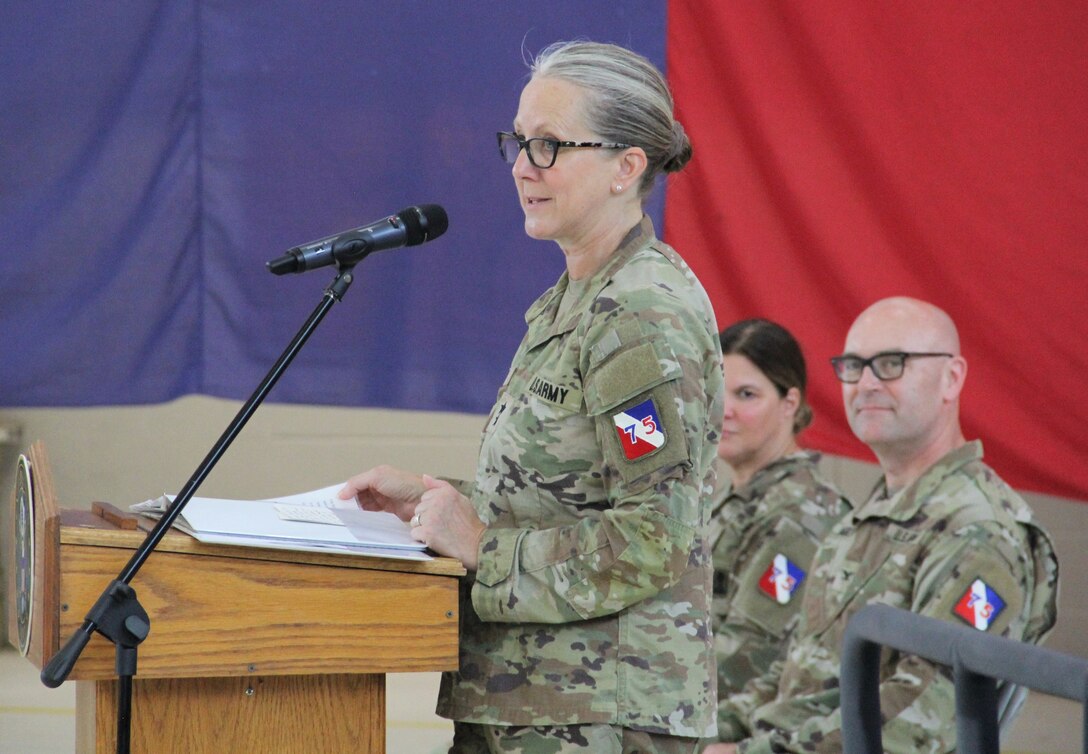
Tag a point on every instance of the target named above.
point(777, 519)
point(591, 599)
point(927, 549)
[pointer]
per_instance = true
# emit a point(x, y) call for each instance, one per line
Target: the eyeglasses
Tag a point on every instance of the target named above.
point(888, 365)
point(542, 152)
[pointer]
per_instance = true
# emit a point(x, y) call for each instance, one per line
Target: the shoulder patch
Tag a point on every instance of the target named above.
point(979, 605)
point(781, 579)
point(640, 430)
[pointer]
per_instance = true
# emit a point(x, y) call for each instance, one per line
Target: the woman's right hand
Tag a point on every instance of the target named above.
point(384, 488)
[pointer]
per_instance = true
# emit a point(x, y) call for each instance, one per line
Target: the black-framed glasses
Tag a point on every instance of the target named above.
point(886, 365)
point(542, 152)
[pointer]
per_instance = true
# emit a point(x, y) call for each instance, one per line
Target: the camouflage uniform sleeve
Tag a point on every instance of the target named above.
point(753, 627)
point(642, 541)
point(735, 710)
point(920, 696)
point(917, 697)
point(584, 571)
point(765, 744)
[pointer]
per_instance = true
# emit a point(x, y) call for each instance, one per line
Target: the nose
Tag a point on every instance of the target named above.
point(728, 406)
point(522, 168)
point(869, 380)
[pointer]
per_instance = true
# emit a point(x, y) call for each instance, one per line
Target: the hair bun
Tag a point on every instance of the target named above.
point(681, 150)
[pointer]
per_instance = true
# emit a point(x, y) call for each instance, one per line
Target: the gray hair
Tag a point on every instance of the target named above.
point(627, 101)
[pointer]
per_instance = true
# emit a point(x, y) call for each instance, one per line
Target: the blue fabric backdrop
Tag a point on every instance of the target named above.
point(153, 156)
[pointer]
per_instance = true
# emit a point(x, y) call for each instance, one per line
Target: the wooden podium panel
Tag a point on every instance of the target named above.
point(250, 649)
point(288, 714)
point(221, 611)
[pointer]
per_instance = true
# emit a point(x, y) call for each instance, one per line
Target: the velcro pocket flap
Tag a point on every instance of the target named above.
point(629, 372)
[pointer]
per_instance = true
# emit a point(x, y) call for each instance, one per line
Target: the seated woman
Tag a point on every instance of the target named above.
point(770, 514)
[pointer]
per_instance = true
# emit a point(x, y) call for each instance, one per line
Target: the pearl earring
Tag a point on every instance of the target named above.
point(619, 188)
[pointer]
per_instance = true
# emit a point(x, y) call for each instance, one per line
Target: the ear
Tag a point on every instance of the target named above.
point(791, 401)
point(630, 166)
point(954, 377)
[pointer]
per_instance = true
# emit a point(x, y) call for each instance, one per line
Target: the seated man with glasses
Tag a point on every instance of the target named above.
point(941, 535)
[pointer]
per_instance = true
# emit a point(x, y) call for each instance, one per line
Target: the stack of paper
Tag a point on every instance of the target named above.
point(314, 521)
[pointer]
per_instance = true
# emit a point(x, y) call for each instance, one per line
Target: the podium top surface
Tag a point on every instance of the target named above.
point(220, 610)
point(84, 527)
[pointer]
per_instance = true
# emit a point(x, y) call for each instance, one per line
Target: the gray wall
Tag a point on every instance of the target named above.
point(124, 455)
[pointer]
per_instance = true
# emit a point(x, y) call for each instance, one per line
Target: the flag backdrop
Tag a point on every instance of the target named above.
point(153, 155)
point(848, 150)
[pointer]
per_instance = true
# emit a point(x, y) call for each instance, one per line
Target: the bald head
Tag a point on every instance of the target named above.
point(907, 324)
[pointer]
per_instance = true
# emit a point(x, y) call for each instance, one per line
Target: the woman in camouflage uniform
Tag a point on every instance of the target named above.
point(586, 615)
point(769, 514)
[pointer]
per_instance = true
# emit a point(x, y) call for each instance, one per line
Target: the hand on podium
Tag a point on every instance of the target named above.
point(446, 522)
point(385, 488)
point(440, 516)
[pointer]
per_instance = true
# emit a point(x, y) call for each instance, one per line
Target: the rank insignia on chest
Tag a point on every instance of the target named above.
point(781, 579)
point(979, 606)
point(640, 430)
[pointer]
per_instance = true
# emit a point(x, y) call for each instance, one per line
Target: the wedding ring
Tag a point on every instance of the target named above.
point(415, 521)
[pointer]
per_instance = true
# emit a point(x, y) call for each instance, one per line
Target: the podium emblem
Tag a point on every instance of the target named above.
point(24, 552)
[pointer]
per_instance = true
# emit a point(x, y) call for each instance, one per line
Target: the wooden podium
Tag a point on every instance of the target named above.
point(250, 649)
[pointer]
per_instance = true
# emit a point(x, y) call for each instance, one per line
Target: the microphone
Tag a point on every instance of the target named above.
point(409, 227)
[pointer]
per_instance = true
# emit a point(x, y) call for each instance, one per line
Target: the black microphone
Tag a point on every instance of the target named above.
point(409, 227)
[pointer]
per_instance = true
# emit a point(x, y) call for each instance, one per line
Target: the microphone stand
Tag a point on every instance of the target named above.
point(117, 614)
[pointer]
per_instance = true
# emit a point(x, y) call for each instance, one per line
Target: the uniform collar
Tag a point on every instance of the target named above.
point(640, 236)
point(772, 474)
point(906, 504)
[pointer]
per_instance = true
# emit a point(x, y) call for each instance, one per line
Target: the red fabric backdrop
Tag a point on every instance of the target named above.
point(847, 151)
